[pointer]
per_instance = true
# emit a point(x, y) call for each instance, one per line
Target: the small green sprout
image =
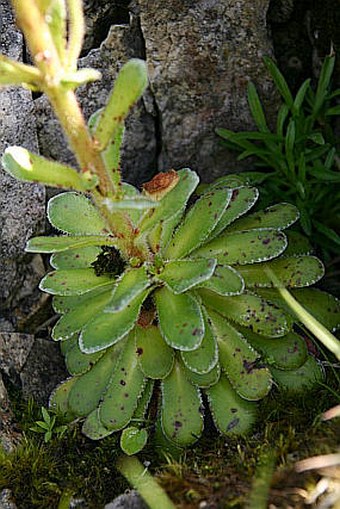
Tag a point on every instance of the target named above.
point(48, 426)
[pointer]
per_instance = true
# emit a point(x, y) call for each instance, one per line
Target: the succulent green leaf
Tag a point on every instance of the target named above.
point(248, 376)
point(181, 414)
point(129, 86)
point(133, 203)
point(88, 389)
point(75, 258)
point(224, 281)
point(59, 398)
point(204, 380)
point(74, 282)
point(232, 414)
point(65, 303)
point(108, 328)
point(83, 312)
point(323, 306)
point(242, 200)
point(244, 247)
point(126, 385)
point(198, 223)
point(93, 428)
point(23, 165)
point(55, 15)
point(291, 272)
point(181, 275)
point(278, 216)
point(232, 181)
point(133, 440)
point(130, 285)
point(180, 319)
point(260, 315)
point(78, 362)
point(72, 80)
point(64, 243)
point(74, 213)
point(298, 244)
point(306, 377)
point(168, 228)
point(287, 352)
point(172, 203)
point(155, 357)
point(205, 357)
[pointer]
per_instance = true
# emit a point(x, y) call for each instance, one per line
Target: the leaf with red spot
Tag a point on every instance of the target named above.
point(242, 364)
point(245, 247)
point(180, 319)
point(75, 258)
point(279, 216)
point(181, 414)
point(232, 415)
point(89, 387)
point(306, 377)
point(155, 357)
point(291, 272)
point(74, 282)
point(126, 385)
point(260, 315)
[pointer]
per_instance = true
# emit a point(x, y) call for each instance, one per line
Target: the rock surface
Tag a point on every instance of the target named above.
point(21, 205)
point(129, 500)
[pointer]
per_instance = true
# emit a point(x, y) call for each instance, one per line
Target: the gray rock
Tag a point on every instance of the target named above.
point(200, 57)
point(201, 54)
point(34, 364)
point(130, 500)
point(21, 205)
point(6, 501)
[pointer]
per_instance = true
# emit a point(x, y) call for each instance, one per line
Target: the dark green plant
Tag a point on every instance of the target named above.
point(48, 426)
point(167, 302)
point(300, 157)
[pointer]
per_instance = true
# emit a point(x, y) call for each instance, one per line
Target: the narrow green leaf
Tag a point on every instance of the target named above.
point(74, 213)
point(300, 96)
point(328, 232)
point(75, 258)
point(126, 385)
point(108, 328)
point(256, 108)
point(324, 175)
point(181, 275)
point(260, 315)
point(232, 415)
point(133, 440)
point(89, 388)
point(205, 357)
point(306, 377)
point(323, 84)
point(224, 281)
point(129, 286)
point(245, 247)
point(279, 216)
point(181, 414)
point(198, 223)
point(291, 272)
point(73, 281)
point(279, 81)
point(281, 119)
point(289, 145)
point(63, 243)
point(129, 86)
point(248, 376)
point(155, 357)
point(180, 319)
point(24, 165)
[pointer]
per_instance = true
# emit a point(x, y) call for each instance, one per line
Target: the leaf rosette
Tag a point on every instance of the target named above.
point(191, 312)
